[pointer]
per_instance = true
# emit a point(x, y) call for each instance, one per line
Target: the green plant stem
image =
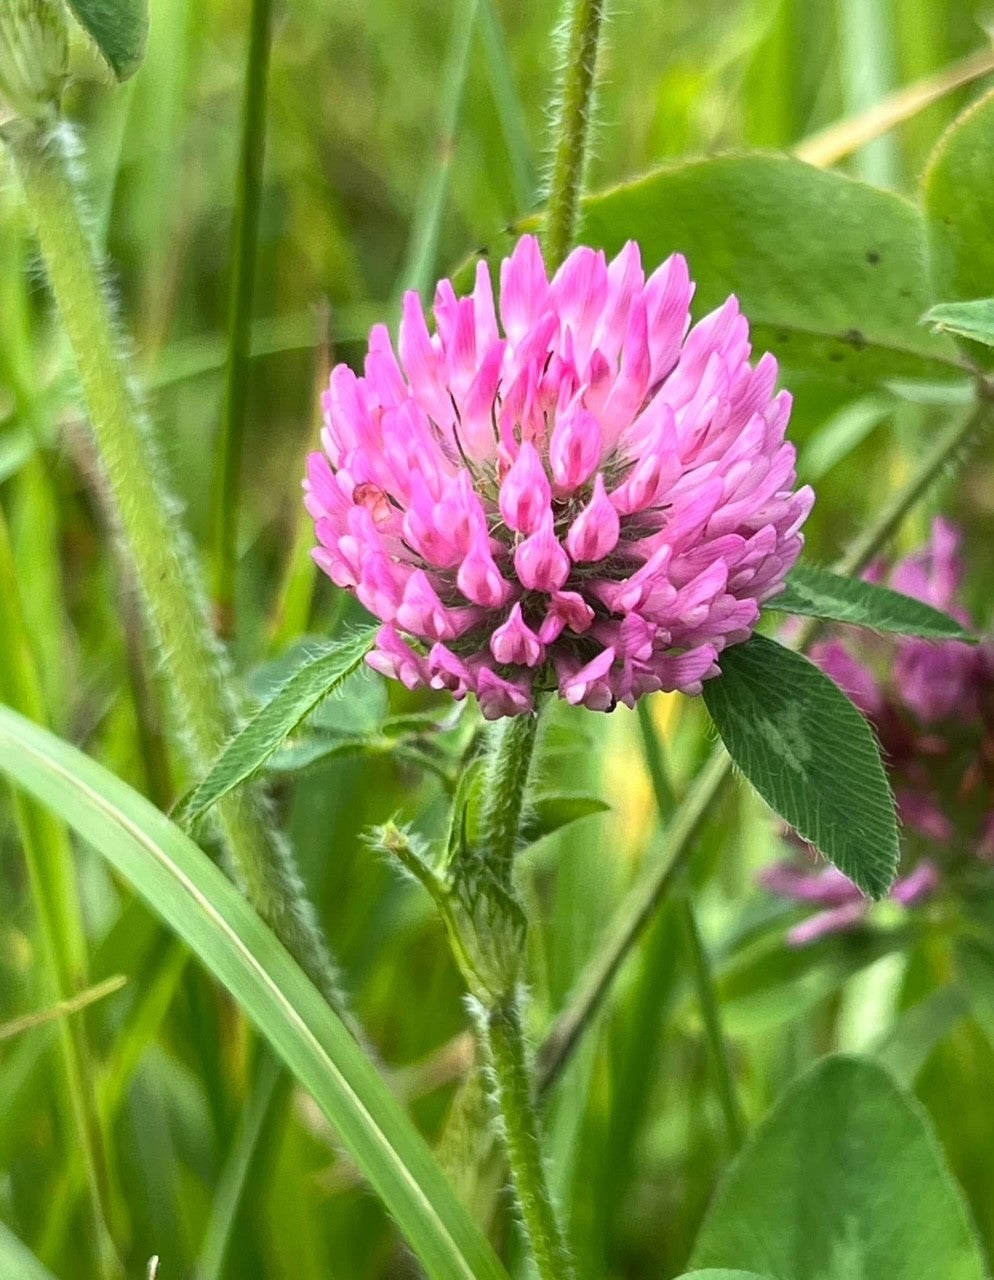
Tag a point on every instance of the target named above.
point(866, 62)
point(146, 694)
point(419, 268)
point(291, 611)
point(576, 89)
point(498, 1002)
point(639, 906)
point(147, 515)
point(629, 922)
point(952, 445)
point(230, 444)
point(511, 749)
point(505, 1048)
point(270, 1091)
point(662, 788)
point(49, 857)
point(707, 999)
point(507, 101)
point(707, 996)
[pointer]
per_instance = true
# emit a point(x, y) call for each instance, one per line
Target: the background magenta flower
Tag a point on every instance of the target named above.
point(932, 705)
point(582, 496)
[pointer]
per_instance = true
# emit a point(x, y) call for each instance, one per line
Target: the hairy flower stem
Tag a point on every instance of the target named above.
point(500, 1026)
point(497, 999)
point(650, 890)
point(576, 90)
point(511, 749)
point(153, 534)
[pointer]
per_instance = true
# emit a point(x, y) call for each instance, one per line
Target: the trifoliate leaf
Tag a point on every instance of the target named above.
point(810, 755)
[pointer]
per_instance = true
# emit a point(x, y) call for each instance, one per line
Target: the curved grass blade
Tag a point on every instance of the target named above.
point(819, 593)
point(320, 673)
point(195, 899)
point(17, 1262)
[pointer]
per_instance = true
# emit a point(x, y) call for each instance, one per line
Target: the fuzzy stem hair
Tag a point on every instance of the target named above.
point(154, 538)
point(511, 750)
point(504, 1044)
point(574, 106)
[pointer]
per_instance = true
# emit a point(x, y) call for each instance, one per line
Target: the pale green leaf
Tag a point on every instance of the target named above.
point(973, 320)
point(723, 1274)
point(197, 901)
point(810, 755)
point(843, 432)
point(819, 593)
point(845, 1180)
point(908, 1043)
point(17, 1262)
point(958, 197)
point(848, 306)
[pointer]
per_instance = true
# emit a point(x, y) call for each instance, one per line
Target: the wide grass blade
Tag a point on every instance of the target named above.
point(196, 900)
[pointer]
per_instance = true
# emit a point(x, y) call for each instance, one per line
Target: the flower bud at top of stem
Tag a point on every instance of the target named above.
point(34, 55)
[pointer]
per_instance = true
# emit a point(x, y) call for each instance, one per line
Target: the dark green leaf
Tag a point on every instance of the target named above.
point(958, 198)
point(320, 672)
point(973, 320)
point(819, 593)
point(360, 708)
point(850, 302)
point(119, 29)
point(810, 755)
point(464, 817)
point(844, 1179)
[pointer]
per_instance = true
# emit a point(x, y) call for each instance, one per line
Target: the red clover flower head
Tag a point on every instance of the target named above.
point(585, 494)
